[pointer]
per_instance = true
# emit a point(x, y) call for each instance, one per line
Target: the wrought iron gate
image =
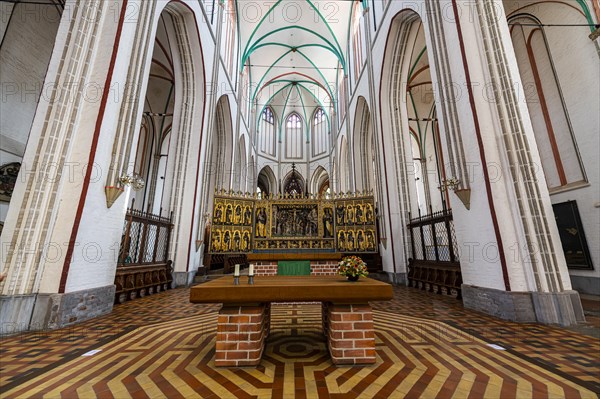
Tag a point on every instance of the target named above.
point(143, 266)
point(435, 262)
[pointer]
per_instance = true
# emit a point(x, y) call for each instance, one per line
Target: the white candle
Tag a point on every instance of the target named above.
point(236, 271)
point(251, 270)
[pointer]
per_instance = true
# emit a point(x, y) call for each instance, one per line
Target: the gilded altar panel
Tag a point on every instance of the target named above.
point(244, 224)
point(355, 220)
point(232, 224)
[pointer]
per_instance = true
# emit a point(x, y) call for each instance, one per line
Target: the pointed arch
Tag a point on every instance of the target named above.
point(294, 183)
point(319, 181)
point(343, 165)
point(266, 181)
point(363, 147)
point(240, 166)
point(222, 149)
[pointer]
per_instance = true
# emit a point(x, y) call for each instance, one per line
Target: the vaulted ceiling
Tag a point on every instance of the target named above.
point(294, 50)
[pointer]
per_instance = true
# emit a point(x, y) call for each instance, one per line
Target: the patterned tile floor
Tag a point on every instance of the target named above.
point(427, 346)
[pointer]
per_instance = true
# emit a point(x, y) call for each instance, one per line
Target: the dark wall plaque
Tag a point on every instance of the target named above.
point(572, 236)
point(8, 179)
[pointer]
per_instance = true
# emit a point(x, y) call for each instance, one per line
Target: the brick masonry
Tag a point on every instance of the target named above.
point(350, 333)
point(241, 334)
point(317, 268)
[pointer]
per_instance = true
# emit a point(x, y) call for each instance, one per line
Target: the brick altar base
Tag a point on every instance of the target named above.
point(317, 268)
point(241, 334)
point(350, 333)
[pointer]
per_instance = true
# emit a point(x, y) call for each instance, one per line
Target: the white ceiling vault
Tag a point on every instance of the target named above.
point(295, 50)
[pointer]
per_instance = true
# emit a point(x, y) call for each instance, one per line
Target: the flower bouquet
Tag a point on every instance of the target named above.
point(352, 267)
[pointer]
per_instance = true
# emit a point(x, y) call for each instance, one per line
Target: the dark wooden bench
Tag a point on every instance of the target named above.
point(435, 276)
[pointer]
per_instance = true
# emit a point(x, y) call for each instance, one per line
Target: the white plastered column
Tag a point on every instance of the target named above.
point(533, 254)
point(44, 207)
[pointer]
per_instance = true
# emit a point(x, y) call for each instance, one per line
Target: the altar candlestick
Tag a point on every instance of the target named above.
point(236, 272)
point(251, 270)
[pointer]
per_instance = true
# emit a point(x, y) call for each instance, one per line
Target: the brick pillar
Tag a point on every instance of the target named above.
point(351, 336)
point(241, 334)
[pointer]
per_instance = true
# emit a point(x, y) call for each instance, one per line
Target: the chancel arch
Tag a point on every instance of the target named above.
point(294, 183)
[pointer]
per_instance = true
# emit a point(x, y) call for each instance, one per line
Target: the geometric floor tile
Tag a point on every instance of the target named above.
point(416, 357)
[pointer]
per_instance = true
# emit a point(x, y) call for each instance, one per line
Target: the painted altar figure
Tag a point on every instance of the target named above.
point(370, 241)
point(350, 214)
point(237, 218)
point(246, 241)
point(218, 217)
point(341, 241)
point(327, 223)
point(341, 215)
point(360, 240)
point(236, 240)
point(247, 216)
point(216, 241)
point(261, 222)
point(359, 214)
point(228, 214)
point(226, 241)
point(350, 241)
point(368, 214)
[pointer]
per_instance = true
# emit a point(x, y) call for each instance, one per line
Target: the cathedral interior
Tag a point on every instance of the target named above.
point(185, 185)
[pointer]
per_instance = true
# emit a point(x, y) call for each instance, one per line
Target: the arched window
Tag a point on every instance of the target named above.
point(341, 94)
point(293, 137)
point(230, 30)
point(319, 133)
point(266, 132)
point(245, 88)
point(358, 47)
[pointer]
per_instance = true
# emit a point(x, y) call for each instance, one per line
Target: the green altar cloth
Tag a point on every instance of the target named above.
point(293, 268)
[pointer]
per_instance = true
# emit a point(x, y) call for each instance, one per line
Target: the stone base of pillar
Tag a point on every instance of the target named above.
point(395, 278)
point(51, 311)
point(241, 334)
point(562, 308)
point(350, 333)
point(15, 313)
point(183, 279)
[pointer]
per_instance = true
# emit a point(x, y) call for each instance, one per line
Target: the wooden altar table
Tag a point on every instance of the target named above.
point(243, 322)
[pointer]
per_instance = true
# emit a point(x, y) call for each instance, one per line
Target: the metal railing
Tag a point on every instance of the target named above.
point(433, 238)
point(435, 262)
point(146, 238)
point(143, 267)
